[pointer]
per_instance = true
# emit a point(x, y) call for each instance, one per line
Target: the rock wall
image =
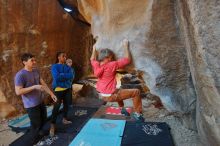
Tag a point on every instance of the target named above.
point(42, 28)
point(176, 45)
point(200, 25)
point(156, 46)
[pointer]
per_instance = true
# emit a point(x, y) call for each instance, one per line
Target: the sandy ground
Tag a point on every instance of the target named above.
point(181, 135)
point(6, 134)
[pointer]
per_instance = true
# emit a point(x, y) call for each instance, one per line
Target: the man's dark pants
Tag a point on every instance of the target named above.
point(38, 117)
point(64, 96)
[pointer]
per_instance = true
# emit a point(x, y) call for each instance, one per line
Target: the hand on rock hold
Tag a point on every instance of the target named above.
point(125, 43)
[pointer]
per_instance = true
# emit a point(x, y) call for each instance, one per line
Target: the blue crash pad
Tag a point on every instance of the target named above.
point(100, 132)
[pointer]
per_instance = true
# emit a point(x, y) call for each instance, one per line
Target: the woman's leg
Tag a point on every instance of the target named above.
point(120, 103)
point(135, 95)
point(123, 94)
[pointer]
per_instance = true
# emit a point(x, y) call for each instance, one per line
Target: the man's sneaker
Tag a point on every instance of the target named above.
point(125, 112)
point(138, 117)
point(42, 133)
point(65, 121)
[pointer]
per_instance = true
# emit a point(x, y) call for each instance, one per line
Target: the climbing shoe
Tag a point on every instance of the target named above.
point(125, 112)
point(138, 117)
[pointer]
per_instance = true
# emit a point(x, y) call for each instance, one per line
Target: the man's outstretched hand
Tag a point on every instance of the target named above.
point(54, 98)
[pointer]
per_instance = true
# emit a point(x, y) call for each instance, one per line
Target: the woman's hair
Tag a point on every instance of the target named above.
point(58, 54)
point(104, 53)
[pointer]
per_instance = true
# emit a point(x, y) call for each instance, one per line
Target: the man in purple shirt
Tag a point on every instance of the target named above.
point(29, 84)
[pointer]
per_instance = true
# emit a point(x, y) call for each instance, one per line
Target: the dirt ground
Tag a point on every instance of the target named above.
point(6, 134)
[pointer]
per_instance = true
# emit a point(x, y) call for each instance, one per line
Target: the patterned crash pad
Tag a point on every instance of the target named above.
point(116, 110)
point(147, 134)
point(85, 131)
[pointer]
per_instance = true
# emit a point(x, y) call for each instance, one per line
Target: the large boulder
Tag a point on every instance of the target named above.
point(7, 110)
point(155, 42)
point(176, 44)
point(200, 26)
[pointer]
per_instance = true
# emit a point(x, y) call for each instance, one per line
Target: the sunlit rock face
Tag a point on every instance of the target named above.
point(156, 46)
point(40, 27)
